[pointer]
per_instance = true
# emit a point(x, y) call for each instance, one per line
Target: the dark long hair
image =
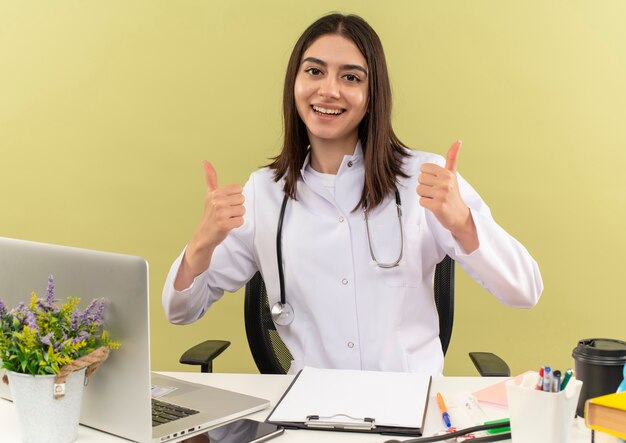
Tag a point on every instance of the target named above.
point(382, 150)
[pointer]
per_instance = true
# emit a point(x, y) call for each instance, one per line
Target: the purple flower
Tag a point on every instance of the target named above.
point(31, 321)
point(82, 335)
point(47, 304)
point(78, 318)
point(3, 309)
point(94, 312)
point(25, 316)
point(46, 339)
point(92, 315)
point(50, 291)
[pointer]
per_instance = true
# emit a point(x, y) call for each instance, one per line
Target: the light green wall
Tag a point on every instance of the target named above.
point(108, 107)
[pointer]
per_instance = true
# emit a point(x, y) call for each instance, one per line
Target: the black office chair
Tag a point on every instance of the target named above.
point(272, 356)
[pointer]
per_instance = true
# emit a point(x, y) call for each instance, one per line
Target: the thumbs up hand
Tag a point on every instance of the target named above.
point(439, 191)
point(223, 210)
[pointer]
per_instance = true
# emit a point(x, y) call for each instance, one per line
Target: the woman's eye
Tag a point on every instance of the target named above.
point(352, 78)
point(313, 71)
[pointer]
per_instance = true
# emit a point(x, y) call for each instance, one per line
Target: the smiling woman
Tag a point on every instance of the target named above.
point(357, 53)
point(331, 92)
point(344, 189)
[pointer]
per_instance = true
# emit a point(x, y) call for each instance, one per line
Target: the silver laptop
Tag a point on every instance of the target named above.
point(118, 398)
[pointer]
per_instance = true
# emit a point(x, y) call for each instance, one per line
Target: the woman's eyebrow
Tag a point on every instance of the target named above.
point(347, 67)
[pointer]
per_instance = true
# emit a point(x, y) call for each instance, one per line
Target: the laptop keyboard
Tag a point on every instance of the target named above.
point(166, 412)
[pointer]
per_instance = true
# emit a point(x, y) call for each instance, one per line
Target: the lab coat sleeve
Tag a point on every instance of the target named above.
point(500, 264)
point(232, 265)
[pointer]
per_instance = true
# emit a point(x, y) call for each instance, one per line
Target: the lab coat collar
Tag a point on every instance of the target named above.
point(355, 159)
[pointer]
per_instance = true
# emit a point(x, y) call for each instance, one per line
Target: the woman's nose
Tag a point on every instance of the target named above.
point(329, 88)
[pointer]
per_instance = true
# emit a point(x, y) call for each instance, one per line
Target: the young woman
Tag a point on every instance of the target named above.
point(358, 272)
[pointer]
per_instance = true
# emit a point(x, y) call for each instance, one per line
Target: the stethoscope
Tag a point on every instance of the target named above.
point(282, 312)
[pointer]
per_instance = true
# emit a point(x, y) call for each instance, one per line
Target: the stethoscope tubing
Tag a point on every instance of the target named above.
point(279, 250)
point(369, 237)
point(282, 313)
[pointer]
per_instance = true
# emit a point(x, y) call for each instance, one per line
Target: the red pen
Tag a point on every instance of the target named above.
point(539, 386)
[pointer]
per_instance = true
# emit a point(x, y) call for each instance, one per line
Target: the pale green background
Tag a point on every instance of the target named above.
point(108, 107)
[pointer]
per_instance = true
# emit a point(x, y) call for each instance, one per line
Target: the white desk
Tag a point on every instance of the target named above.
point(271, 387)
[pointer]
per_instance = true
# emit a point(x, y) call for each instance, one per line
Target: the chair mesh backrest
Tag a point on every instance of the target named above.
point(268, 350)
point(272, 356)
point(444, 299)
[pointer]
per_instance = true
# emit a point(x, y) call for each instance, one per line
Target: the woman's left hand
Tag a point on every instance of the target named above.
point(439, 193)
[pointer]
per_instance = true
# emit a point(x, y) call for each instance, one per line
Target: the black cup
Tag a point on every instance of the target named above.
point(599, 364)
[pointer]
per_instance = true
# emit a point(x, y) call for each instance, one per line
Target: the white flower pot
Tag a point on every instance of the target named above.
point(44, 419)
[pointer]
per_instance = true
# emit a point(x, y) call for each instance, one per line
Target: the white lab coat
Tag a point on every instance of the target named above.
point(350, 313)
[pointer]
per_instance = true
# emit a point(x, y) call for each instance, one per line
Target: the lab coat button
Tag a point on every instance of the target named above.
point(350, 164)
point(344, 281)
point(341, 219)
point(350, 345)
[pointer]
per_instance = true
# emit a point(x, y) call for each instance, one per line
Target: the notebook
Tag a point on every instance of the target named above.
point(118, 398)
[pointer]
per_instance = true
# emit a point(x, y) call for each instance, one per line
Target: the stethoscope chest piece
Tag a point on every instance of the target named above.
point(282, 313)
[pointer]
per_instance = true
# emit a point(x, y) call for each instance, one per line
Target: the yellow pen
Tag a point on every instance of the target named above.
point(444, 411)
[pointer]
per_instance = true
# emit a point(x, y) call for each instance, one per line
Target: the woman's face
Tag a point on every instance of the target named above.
point(331, 90)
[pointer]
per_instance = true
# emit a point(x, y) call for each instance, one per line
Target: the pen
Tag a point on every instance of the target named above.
point(539, 386)
point(506, 428)
point(556, 381)
point(566, 377)
point(444, 411)
point(547, 378)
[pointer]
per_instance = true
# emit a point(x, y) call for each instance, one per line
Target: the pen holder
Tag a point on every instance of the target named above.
point(539, 416)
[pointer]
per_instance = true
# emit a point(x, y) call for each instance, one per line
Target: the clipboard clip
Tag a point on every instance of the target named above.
point(340, 421)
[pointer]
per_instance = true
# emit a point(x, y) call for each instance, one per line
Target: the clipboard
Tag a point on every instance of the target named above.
point(393, 403)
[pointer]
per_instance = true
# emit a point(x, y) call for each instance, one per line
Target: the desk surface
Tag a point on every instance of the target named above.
point(271, 387)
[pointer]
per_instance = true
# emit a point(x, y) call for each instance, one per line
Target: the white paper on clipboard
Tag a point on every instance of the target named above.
point(396, 399)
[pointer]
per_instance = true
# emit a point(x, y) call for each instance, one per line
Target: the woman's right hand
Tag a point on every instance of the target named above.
point(223, 212)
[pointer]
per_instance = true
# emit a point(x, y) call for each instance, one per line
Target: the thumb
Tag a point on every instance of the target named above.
point(453, 154)
point(210, 175)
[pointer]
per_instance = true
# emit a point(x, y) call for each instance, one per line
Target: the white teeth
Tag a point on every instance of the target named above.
point(327, 111)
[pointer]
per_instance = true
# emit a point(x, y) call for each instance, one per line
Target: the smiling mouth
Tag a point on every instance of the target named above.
point(325, 111)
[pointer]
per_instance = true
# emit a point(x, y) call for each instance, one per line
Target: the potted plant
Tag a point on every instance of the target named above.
point(47, 350)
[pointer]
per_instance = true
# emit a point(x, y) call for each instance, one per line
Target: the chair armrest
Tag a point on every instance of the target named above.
point(490, 365)
point(203, 354)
